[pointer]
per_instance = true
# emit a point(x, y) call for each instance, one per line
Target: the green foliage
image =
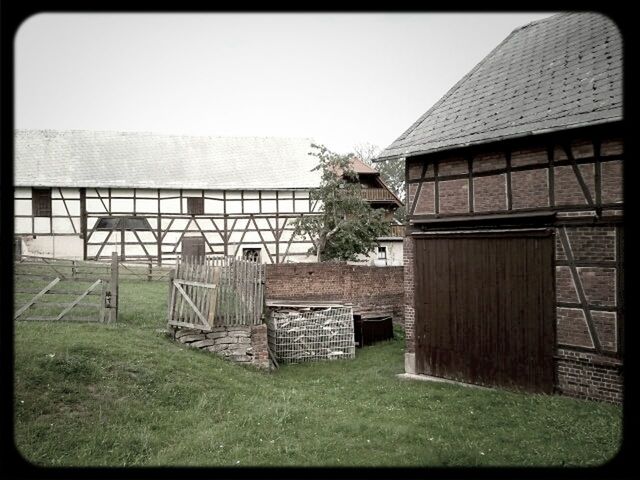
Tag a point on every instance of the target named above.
point(347, 226)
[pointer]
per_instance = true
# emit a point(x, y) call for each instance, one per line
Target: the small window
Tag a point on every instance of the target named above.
point(382, 253)
point(252, 254)
point(136, 223)
point(195, 205)
point(108, 223)
point(116, 223)
point(41, 202)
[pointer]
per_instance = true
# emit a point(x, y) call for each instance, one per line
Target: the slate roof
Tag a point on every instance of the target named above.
point(78, 158)
point(561, 72)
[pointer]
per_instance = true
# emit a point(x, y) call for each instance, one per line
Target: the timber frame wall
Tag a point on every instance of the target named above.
point(571, 181)
point(232, 219)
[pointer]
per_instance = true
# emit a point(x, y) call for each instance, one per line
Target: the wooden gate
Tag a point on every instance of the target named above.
point(214, 291)
point(65, 290)
point(485, 308)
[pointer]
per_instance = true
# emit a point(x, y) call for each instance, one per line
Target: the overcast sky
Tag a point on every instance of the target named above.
point(342, 79)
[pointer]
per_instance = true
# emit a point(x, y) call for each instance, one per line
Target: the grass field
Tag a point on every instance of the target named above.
point(124, 395)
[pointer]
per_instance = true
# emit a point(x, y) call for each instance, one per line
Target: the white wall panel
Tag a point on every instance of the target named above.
point(122, 205)
point(57, 207)
point(268, 206)
point(21, 192)
point(213, 206)
point(286, 206)
point(169, 193)
point(146, 193)
point(70, 192)
point(68, 247)
point(42, 225)
point(94, 205)
point(62, 225)
point(146, 206)
point(251, 206)
point(22, 225)
point(22, 207)
point(170, 205)
point(234, 207)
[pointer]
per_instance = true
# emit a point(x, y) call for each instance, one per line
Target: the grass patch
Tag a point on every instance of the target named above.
point(124, 395)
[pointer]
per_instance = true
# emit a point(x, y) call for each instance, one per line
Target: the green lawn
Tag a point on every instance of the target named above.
point(124, 395)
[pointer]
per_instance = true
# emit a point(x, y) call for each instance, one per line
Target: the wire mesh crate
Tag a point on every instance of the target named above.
point(310, 334)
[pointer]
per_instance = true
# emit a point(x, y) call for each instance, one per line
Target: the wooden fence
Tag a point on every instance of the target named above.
point(148, 271)
point(65, 290)
point(215, 291)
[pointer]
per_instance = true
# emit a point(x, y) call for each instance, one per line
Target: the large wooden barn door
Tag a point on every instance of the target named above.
point(485, 308)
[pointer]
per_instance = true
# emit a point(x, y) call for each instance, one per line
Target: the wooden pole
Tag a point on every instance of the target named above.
point(172, 275)
point(149, 272)
point(113, 313)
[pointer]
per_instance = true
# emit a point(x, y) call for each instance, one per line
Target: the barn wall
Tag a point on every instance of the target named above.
point(579, 178)
point(232, 221)
point(373, 291)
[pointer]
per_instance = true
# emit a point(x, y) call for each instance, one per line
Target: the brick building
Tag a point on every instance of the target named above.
point(514, 242)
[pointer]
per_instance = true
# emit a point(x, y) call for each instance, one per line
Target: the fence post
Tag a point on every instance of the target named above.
point(73, 269)
point(149, 272)
point(172, 275)
point(113, 314)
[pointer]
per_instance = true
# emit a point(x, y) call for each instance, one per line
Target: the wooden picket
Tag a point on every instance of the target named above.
point(213, 291)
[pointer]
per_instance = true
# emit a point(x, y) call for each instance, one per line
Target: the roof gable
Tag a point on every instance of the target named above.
point(561, 72)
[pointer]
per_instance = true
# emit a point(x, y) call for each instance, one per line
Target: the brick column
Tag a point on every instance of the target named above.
point(409, 311)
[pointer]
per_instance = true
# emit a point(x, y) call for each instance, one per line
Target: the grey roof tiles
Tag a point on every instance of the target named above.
point(560, 72)
point(78, 158)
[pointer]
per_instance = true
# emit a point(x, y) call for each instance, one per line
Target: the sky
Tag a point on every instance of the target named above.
point(340, 79)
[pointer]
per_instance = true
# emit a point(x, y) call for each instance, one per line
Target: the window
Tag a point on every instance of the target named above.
point(382, 253)
point(252, 254)
point(129, 223)
point(195, 205)
point(41, 202)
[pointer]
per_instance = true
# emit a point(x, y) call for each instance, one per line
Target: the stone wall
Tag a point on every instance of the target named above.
point(373, 291)
point(241, 344)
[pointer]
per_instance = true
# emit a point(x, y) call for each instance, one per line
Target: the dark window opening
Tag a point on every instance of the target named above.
point(195, 205)
point(382, 253)
point(252, 254)
point(117, 223)
point(193, 247)
point(41, 202)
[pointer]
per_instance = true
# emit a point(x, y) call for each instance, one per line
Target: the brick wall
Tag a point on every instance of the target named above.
point(489, 193)
point(536, 182)
point(530, 189)
point(373, 291)
point(590, 376)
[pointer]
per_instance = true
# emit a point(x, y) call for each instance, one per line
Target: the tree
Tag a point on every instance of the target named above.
point(346, 226)
point(391, 172)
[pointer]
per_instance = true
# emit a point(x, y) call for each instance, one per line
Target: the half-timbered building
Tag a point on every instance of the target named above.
point(150, 197)
point(389, 251)
point(514, 258)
